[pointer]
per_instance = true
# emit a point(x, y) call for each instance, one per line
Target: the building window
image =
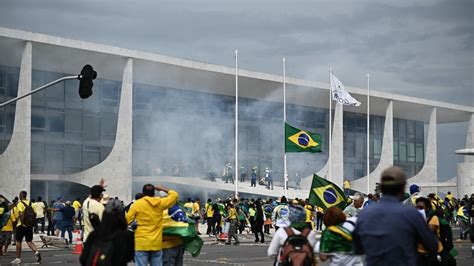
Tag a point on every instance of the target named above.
point(55, 121)
point(402, 154)
point(420, 153)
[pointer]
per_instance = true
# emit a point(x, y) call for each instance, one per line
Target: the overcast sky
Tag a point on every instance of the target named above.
point(418, 48)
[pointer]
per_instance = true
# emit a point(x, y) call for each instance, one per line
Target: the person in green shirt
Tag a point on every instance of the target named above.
point(336, 240)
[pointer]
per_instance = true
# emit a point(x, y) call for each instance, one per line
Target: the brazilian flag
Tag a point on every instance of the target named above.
point(326, 194)
point(297, 140)
point(176, 224)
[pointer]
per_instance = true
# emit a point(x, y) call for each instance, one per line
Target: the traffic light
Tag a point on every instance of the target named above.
point(86, 81)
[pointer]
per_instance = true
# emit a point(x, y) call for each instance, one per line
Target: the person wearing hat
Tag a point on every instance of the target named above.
point(111, 232)
point(92, 210)
point(415, 192)
point(388, 232)
point(67, 221)
point(297, 218)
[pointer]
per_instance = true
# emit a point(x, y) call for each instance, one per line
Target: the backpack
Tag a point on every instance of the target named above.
point(296, 250)
point(101, 252)
point(445, 234)
point(28, 216)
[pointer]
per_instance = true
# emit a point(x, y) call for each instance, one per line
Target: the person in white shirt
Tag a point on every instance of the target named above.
point(92, 210)
point(280, 215)
point(40, 209)
point(297, 219)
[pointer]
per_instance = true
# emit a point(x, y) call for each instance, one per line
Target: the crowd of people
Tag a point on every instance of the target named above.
point(392, 229)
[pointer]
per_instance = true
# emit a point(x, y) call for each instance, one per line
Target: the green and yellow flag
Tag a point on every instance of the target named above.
point(177, 226)
point(326, 194)
point(297, 140)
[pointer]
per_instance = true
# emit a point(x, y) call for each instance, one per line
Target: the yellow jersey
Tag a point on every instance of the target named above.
point(232, 214)
point(77, 205)
point(20, 207)
point(209, 210)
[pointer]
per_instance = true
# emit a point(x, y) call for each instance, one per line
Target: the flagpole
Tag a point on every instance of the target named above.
point(330, 127)
point(368, 133)
point(236, 180)
point(285, 173)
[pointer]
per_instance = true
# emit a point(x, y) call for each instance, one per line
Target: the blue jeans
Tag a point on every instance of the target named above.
point(66, 227)
point(155, 258)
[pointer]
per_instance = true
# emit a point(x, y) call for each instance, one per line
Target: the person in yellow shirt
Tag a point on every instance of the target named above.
point(77, 208)
point(148, 214)
point(197, 214)
point(309, 214)
point(234, 224)
point(23, 231)
point(209, 215)
point(424, 204)
point(189, 208)
point(7, 230)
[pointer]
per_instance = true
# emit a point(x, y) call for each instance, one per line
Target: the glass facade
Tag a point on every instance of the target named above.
point(188, 133)
point(69, 134)
point(355, 143)
point(408, 145)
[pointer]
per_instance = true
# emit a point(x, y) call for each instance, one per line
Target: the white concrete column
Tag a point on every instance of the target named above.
point(465, 182)
point(386, 158)
point(16, 160)
point(116, 169)
point(337, 150)
point(429, 172)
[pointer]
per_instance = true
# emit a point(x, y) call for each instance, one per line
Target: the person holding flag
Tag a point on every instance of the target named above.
point(179, 234)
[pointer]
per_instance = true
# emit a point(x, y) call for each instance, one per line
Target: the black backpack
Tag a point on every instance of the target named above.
point(28, 216)
point(296, 250)
point(101, 252)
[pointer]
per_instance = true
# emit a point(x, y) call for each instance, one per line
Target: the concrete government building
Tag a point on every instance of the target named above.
point(154, 118)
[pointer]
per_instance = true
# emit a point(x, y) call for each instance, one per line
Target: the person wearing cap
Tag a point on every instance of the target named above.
point(415, 192)
point(388, 232)
point(297, 218)
point(92, 210)
point(148, 213)
point(67, 221)
point(112, 231)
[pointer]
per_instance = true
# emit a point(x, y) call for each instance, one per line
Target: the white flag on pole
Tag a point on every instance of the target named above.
point(339, 93)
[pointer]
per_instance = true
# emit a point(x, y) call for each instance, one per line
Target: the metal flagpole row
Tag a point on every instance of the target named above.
point(285, 172)
point(236, 170)
point(368, 133)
